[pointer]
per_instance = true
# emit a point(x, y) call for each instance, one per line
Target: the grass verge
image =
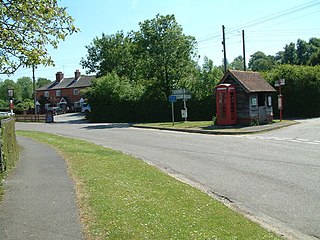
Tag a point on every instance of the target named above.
point(121, 197)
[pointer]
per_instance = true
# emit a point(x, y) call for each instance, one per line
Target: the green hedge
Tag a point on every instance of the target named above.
point(301, 92)
point(9, 146)
point(115, 99)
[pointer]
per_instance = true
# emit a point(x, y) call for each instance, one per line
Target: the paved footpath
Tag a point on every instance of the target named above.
point(39, 201)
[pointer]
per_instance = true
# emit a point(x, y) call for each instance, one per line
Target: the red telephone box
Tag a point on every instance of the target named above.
point(226, 104)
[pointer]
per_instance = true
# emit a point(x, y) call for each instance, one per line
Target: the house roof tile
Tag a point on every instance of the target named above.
point(250, 81)
point(83, 81)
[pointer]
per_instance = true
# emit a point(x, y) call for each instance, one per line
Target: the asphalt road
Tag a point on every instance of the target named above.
point(274, 176)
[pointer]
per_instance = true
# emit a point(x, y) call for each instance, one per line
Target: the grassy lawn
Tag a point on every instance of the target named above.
point(121, 197)
point(195, 124)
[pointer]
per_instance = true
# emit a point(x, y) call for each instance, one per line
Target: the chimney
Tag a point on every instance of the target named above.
point(77, 74)
point(59, 76)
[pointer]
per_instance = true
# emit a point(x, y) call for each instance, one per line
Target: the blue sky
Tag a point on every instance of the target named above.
point(268, 26)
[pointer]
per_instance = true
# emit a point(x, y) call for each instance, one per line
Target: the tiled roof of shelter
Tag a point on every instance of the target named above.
point(250, 81)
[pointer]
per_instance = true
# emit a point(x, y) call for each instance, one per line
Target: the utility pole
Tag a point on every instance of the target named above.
point(224, 50)
point(244, 52)
point(34, 90)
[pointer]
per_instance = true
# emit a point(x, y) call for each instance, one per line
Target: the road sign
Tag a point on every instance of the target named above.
point(280, 82)
point(182, 96)
point(172, 98)
point(184, 113)
point(181, 92)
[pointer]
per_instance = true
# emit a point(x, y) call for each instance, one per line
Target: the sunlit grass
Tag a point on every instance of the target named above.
point(121, 197)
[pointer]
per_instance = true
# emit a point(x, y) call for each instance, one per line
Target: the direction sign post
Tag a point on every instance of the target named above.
point(172, 113)
point(185, 95)
point(279, 83)
point(172, 99)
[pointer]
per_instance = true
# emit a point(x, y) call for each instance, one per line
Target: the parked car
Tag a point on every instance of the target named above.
point(86, 108)
point(6, 114)
point(55, 110)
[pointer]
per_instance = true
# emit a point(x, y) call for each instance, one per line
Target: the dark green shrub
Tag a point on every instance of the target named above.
point(9, 147)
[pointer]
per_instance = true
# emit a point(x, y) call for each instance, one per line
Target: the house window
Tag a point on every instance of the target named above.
point(58, 93)
point(75, 91)
point(46, 93)
point(46, 106)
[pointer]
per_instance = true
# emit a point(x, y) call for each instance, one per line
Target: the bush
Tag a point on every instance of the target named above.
point(9, 147)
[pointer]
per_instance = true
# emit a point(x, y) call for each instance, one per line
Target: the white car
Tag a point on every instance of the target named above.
point(86, 108)
point(6, 114)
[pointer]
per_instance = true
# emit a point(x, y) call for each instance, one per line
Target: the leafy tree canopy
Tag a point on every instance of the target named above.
point(27, 28)
point(237, 63)
point(42, 82)
point(259, 61)
point(5, 85)
point(25, 84)
point(158, 52)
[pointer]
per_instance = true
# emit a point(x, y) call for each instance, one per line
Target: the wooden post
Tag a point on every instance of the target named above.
point(244, 52)
point(224, 50)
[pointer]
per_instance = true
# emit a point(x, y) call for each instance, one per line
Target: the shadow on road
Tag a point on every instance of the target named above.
point(108, 126)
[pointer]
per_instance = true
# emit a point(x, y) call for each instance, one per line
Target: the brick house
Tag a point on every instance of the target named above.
point(65, 93)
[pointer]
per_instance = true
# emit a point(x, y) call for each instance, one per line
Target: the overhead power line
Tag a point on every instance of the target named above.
point(263, 20)
point(277, 15)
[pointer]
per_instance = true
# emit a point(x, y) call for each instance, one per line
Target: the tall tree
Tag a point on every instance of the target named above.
point(166, 52)
point(203, 86)
point(290, 55)
point(25, 84)
point(5, 85)
point(303, 54)
point(237, 63)
point(315, 58)
point(42, 82)
point(159, 52)
point(27, 29)
point(111, 53)
point(259, 61)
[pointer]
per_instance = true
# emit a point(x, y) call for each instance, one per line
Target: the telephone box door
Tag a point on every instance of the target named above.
point(226, 104)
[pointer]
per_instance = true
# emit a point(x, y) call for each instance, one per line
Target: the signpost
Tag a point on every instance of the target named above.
point(177, 94)
point(172, 99)
point(279, 83)
point(10, 96)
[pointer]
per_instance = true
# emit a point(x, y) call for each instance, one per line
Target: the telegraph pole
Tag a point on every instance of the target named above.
point(34, 90)
point(244, 52)
point(224, 50)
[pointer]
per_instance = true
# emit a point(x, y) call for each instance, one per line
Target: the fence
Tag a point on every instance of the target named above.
point(31, 118)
